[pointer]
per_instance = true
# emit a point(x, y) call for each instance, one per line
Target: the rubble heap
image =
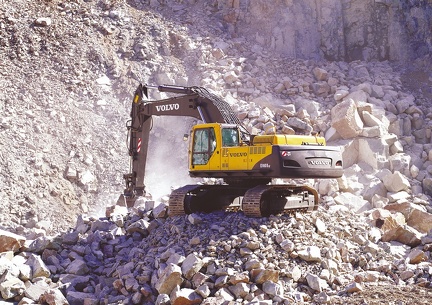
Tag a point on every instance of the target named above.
point(142, 257)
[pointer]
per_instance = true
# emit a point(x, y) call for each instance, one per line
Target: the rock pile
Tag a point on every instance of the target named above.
point(142, 257)
point(65, 142)
point(25, 277)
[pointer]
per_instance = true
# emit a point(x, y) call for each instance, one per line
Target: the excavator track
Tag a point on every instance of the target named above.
point(264, 200)
point(204, 198)
point(251, 204)
point(177, 198)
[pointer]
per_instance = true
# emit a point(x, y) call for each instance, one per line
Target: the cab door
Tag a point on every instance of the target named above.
point(203, 148)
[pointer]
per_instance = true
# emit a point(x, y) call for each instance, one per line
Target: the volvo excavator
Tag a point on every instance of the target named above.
point(221, 147)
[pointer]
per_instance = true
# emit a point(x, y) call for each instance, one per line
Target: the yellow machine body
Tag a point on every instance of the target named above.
point(216, 150)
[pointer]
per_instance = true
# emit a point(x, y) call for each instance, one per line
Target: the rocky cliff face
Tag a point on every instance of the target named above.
point(334, 30)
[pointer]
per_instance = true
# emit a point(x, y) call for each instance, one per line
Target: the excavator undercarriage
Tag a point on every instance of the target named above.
point(258, 201)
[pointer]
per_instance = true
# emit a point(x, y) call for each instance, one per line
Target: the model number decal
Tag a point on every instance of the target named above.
point(167, 107)
point(265, 165)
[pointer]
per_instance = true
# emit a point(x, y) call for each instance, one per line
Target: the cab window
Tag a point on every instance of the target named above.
point(204, 144)
point(230, 137)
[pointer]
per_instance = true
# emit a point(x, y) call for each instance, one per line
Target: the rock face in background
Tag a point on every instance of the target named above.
point(334, 30)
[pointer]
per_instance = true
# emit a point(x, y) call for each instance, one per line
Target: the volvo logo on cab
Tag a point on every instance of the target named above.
point(239, 154)
point(167, 107)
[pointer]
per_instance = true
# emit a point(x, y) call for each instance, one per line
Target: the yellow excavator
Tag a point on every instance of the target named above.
point(221, 147)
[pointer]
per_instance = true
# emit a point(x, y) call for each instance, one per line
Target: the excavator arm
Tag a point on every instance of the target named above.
point(194, 102)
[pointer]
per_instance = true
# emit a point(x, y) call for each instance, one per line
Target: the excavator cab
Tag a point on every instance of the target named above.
point(208, 142)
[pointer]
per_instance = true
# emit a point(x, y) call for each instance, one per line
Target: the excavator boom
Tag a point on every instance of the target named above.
point(194, 102)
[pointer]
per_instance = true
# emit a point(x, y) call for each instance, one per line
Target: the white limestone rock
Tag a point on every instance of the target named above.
point(191, 265)
point(396, 182)
point(169, 279)
point(373, 151)
point(11, 288)
point(310, 254)
point(316, 283)
point(352, 202)
point(340, 94)
point(346, 120)
point(185, 296)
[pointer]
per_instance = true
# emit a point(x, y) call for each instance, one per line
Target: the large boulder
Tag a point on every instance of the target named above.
point(10, 241)
point(169, 279)
point(396, 182)
point(373, 151)
point(353, 202)
point(191, 265)
point(395, 230)
point(419, 220)
point(346, 120)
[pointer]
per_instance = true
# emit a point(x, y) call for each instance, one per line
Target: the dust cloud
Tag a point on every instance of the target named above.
point(167, 159)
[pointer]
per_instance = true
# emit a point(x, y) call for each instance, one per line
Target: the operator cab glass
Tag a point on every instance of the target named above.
point(204, 144)
point(230, 137)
